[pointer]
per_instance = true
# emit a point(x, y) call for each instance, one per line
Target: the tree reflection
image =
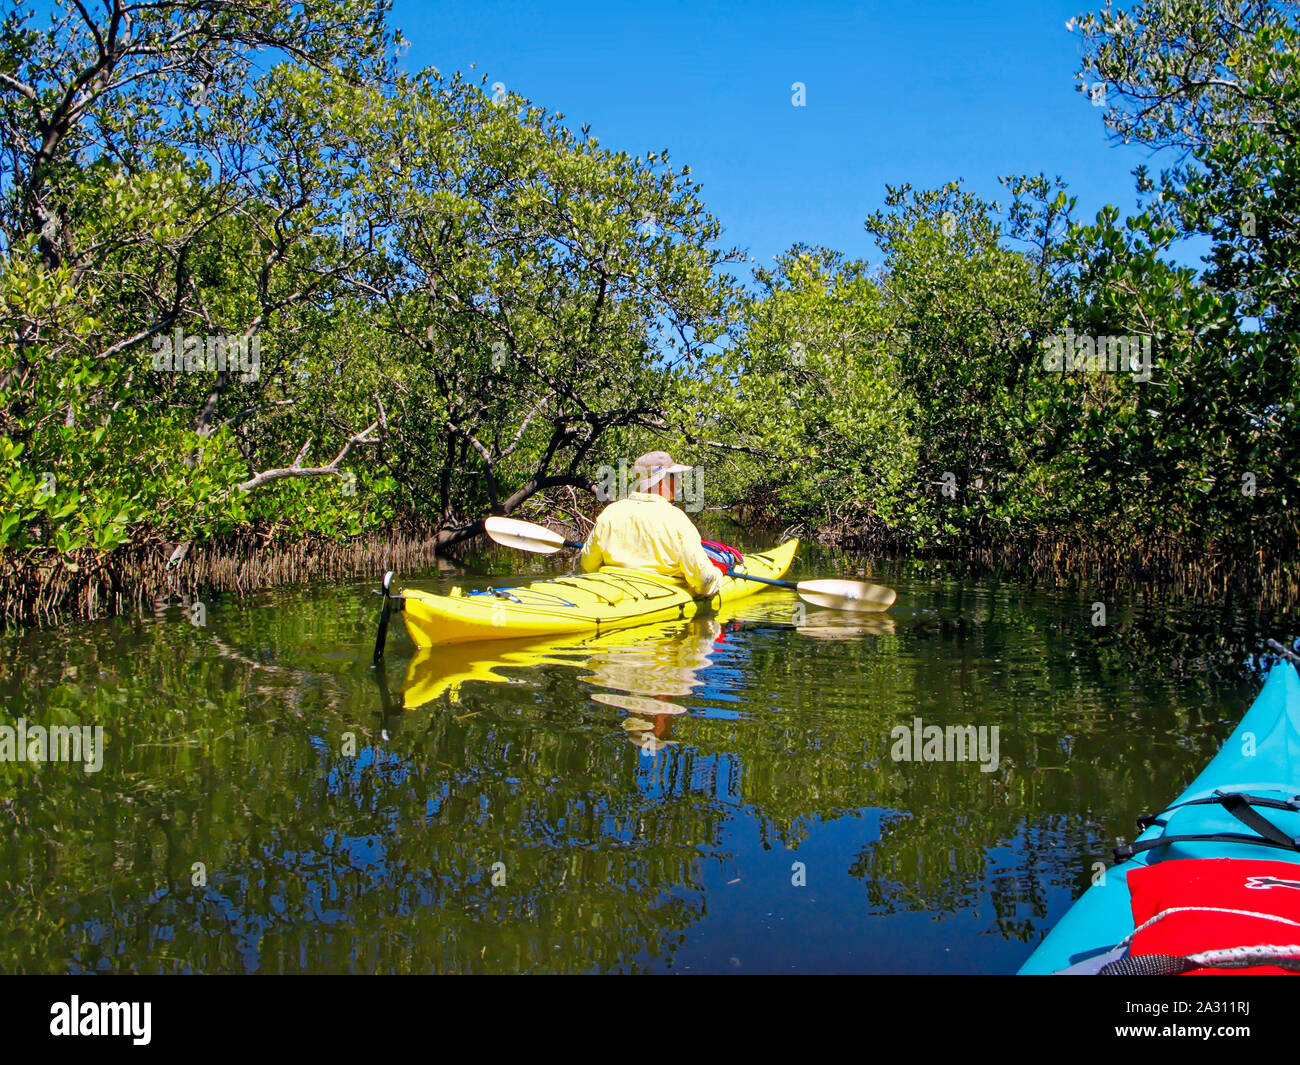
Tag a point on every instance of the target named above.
point(262, 808)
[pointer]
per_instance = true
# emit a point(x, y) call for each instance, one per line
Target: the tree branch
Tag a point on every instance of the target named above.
point(296, 469)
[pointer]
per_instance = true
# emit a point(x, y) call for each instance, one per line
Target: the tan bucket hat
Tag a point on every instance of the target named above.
point(653, 467)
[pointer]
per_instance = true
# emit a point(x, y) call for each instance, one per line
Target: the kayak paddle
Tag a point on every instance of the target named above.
point(526, 536)
point(838, 595)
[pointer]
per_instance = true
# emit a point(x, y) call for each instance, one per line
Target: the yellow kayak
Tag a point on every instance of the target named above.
point(610, 598)
point(662, 660)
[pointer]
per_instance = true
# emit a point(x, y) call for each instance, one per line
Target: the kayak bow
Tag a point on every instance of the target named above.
point(1244, 805)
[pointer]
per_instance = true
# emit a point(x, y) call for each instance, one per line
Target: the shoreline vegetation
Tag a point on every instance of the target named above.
point(266, 295)
point(144, 581)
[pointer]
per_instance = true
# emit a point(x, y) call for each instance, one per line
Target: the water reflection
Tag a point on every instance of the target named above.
point(640, 670)
point(839, 625)
point(634, 801)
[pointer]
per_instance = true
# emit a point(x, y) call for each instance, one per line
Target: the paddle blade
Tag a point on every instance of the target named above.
point(847, 595)
point(523, 535)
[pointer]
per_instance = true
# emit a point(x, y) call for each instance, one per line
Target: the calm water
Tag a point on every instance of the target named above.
point(711, 796)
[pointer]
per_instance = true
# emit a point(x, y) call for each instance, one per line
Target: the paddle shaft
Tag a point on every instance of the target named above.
point(381, 638)
point(763, 580)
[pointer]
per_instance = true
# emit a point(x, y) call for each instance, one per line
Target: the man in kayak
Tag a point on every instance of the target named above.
point(645, 531)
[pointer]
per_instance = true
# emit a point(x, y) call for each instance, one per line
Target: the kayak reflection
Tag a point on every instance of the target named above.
point(638, 671)
point(642, 671)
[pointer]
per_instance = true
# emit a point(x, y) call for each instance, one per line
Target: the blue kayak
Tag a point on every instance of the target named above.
point(1246, 805)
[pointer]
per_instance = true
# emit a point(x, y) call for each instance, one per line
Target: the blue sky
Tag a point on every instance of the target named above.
point(916, 92)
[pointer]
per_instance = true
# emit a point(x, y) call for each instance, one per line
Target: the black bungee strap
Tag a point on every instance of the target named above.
point(1292, 805)
point(1240, 805)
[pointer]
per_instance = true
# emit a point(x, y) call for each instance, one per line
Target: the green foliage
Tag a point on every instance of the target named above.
point(965, 312)
point(1209, 450)
point(808, 404)
point(455, 296)
point(542, 294)
point(458, 304)
point(1197, 449)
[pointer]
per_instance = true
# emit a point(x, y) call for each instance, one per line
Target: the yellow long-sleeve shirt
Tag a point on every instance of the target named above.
point(647, 532)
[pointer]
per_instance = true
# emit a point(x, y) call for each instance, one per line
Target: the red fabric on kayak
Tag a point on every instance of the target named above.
point(721, 555)
point(1229, 883)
